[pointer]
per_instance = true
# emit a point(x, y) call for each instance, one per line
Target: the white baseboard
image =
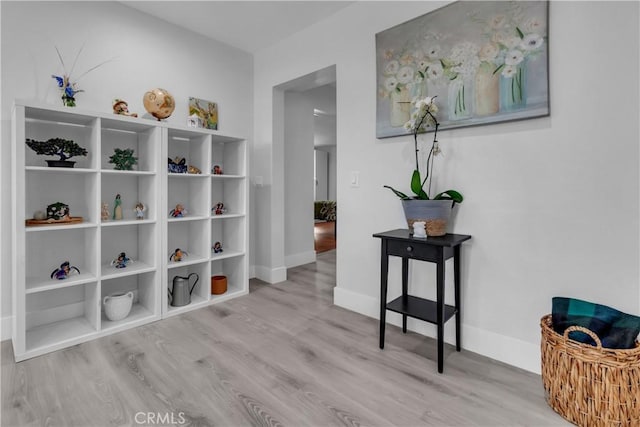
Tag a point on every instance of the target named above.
point(270, 275)
point(5, 328)
point(252, 272)
point(302, 258)
point(505, 349)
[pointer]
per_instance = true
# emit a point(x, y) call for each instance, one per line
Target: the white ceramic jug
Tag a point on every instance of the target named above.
point(118, 306)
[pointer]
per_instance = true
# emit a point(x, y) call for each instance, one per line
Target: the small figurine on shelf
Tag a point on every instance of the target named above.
point(178, 212)
point(140, 210)
point(177, 255)
point(64, 271)
point(121, 107)
point(177, 165)
point(217, 170)
point(193, 170)
point(217, 247)
point(104, 212)
point(219, 209)
point(117, 208)
point(121, 261)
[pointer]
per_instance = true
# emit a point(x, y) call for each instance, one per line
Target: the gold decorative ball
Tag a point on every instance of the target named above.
point(159, 103)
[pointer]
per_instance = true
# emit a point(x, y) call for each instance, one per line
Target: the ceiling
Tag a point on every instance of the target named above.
point(247, 25)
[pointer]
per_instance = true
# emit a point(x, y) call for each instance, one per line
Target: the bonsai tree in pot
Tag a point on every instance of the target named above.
point(63, 148)
point(433, 210)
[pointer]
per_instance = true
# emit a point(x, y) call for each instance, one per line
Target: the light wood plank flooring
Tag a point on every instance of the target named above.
point(281, 356)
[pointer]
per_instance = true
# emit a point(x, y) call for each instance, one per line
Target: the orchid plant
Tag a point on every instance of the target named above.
point(423, 117)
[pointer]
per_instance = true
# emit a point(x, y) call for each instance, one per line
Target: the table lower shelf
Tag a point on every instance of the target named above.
point(420, 308)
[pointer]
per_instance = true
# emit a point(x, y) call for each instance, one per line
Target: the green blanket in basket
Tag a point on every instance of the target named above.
point(614, 328)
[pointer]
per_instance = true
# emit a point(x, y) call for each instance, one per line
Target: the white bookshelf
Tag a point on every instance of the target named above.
point(51, 314)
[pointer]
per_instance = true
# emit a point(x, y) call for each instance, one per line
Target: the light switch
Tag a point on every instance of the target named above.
point(355, 179)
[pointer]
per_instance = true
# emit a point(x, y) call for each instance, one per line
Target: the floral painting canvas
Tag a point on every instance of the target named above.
point(484, 61)
point(207, 112)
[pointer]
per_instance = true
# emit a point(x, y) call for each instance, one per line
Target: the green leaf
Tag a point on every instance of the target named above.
point(398, 193)
point(519, 33)
point(498, 69)
point(416, 182)
point(421, 74)
point(449, 195)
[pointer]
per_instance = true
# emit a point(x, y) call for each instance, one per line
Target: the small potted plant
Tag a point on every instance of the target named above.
point(433, 210)
point(123, 159)
point(64, 148)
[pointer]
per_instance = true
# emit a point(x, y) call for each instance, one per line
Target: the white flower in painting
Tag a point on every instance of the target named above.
point(433, 52)
point(434, 71)
point(497, 22)
point(513, 57)
point(388, 54)
point(512, 42)
point(488, 52)
point(509, 71)
point(463, 52)
point(390, 83)
point(391, 68)
point(499, 38)
point(531, 42)
point(533, 25)
point(422, 65)
point(406, 59)
point(405, 75)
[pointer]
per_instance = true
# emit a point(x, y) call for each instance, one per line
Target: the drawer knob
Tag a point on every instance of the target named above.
point(409, 249)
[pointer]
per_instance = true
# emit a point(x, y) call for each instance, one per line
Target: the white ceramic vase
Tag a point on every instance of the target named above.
point(118, 306)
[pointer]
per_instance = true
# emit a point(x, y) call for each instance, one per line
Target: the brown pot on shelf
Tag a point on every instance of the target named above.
point(218, 285)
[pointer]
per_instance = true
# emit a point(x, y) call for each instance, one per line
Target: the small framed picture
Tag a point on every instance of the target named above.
point(207, 111)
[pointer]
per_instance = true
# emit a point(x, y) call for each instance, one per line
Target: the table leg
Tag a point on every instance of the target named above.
point(405, 290)
point(456, 290)
point(384, 275)
point(440, 309)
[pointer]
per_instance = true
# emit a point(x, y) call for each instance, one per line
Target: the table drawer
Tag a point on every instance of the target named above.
point(416, 250)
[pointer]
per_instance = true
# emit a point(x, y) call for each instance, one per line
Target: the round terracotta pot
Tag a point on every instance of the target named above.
point(218, 285)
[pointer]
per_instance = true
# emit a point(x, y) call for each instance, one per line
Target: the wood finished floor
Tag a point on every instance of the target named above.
point(324, 236)
point(281, 356)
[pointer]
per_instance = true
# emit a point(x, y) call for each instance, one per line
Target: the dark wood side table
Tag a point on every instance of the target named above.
point(432, 249)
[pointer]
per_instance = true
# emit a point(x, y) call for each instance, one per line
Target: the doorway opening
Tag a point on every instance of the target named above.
point(309, 166)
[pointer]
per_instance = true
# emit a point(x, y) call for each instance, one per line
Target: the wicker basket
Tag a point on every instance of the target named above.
point(587, 385)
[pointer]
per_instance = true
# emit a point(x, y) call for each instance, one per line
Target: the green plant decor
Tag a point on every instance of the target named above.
point(64, 148)
point(123, 159)
point(423, 117)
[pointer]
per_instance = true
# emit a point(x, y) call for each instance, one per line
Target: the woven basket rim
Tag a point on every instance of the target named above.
point(547, 328)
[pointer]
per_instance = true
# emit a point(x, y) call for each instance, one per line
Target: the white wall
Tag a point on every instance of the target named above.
point(148, 53)
point(321, 171)
point(298, 178)
point(552, 203)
